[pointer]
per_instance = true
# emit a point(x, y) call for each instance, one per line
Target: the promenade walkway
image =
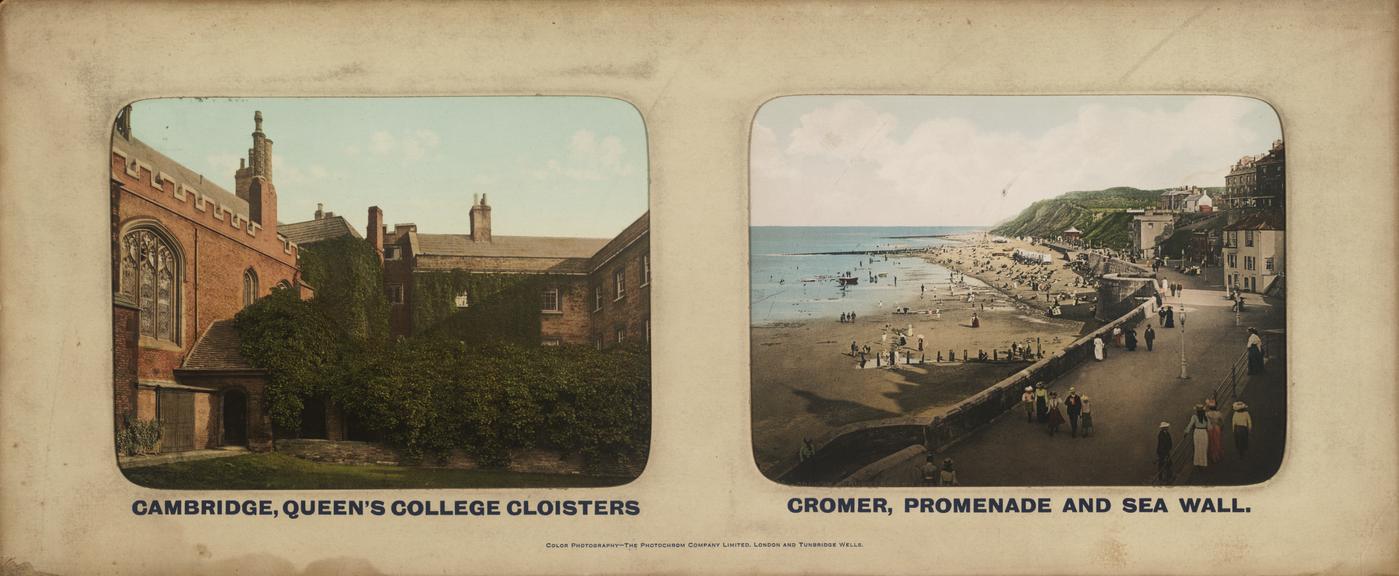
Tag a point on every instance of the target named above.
point(1130, 394)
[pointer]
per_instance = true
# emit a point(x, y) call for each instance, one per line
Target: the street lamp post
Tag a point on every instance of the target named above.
point(1184, 375)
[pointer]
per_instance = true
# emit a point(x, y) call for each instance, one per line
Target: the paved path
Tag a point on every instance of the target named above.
point(1131, 393)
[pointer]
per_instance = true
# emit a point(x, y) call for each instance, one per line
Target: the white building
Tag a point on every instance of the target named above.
point(1149, 229)
point(1254, 252)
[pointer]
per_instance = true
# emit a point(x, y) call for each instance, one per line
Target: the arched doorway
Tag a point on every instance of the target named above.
point(235, 417)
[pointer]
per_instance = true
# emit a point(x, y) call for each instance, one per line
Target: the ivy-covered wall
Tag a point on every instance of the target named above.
point(502, 307)
point(475, 379)
point(349, 283)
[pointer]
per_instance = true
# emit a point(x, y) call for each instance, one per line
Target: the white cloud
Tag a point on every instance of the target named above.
point(284, 173)
point(843, 165)
point(589, 159)
point(407, 146)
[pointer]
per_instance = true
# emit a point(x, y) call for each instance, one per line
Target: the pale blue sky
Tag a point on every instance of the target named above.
point(551, 166)
point(945, 160)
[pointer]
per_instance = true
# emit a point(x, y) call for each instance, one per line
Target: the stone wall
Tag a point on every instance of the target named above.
point(1117, 294)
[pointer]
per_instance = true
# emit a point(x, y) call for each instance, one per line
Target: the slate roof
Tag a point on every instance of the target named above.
point(1261, 220)
point(312, 231)
point(135, 148)
point(217, 349)
point(635, 230)
point(509, 246)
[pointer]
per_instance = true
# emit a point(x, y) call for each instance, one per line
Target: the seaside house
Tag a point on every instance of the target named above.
point(1254, 251)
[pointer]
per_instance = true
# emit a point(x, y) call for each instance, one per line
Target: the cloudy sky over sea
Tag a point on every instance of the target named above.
point(551, 166)
point(946, 160)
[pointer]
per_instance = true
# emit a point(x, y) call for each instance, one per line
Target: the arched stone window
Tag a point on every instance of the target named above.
point(249, 287)
point(150, 276)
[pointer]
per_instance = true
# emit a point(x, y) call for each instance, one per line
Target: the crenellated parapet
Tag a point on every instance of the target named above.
point(196, 205)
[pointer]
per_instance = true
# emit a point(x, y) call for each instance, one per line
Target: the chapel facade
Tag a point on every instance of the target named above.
point(187, 255)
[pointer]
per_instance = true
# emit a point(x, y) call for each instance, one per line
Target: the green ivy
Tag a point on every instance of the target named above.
point(475, 379)
point(349, 283)
point(139, 437)
point(301, 347)
point(502, 306)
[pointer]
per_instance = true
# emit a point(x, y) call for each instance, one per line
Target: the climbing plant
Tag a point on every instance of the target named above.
point(349, 283)
point(501, 306)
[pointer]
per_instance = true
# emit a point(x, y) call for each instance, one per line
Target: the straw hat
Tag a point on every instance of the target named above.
point(1240, 406)
point(1165, 424)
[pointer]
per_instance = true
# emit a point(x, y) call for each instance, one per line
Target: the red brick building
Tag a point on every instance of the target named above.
point(597, 292)
point(187, 256)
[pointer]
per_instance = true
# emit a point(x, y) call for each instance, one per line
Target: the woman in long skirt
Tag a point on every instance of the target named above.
point(1098, 352)
point(1243, 424)
point(1255, 352)
point(1041, 403)
point(1056, 418)
point(1216, 430)
point(1086, 417)
point(1198, 431)
point(1131, 336)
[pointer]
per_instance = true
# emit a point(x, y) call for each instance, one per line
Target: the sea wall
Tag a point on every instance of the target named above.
point(1117, 294)
point(896, 435)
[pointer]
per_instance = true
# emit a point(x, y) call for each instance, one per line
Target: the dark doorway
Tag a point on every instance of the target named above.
point(235, 417)
point(313, 418)
point(175, 409)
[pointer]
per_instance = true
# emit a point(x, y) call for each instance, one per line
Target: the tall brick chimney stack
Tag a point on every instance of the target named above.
point(480, 219)
point(374, 231)
point(320, 211)
point(262, 202)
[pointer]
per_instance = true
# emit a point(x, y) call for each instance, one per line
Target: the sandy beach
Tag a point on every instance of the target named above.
point(806, 383)
point(1037, 286)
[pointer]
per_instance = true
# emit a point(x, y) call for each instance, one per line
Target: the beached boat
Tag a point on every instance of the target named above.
point(848, 280)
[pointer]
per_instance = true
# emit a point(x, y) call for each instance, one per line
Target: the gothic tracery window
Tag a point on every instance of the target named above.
point(150, 276)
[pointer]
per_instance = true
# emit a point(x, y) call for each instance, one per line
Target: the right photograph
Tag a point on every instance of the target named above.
point(1018, 290)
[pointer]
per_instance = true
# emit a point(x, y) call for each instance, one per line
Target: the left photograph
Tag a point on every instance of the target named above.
point(273, 330)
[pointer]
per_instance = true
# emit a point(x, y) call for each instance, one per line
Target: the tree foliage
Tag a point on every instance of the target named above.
point(475, 379)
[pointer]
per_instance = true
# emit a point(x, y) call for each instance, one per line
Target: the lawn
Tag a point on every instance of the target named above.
point(272, 471)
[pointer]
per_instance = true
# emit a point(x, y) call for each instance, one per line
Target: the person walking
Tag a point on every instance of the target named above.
point(1117, 336)
point(1170, 317)
point(1161, 316)
point(1243, 426)
point(1056, 418)
point(1131, 337)
point(1150, 337)
point(1255, 352)
point(1028, 399)
point(1164, 445)
point(1198, 430)
point(1086, 417)
point(1041, 403)
point(1073, 405)
point(948, 475)
point(928, 472)
point(1098, 348)
point(976, 322)
point(1216, 430)
point(854, 348)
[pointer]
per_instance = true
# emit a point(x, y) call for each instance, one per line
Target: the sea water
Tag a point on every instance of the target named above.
point(793, 270)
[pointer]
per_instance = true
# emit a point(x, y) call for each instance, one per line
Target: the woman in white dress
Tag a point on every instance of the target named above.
point(1199, 431)
point(1098, 348)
